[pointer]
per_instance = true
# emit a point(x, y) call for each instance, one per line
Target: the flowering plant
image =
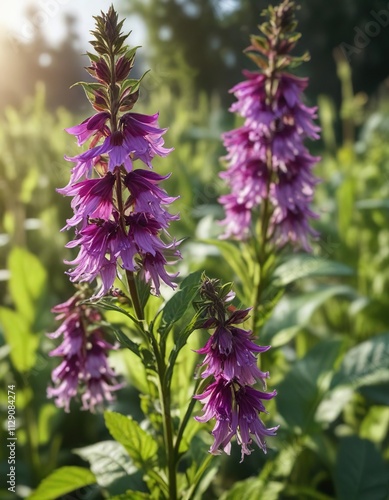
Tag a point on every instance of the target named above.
point(122, 223)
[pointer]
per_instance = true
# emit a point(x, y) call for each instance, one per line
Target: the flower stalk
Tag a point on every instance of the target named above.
point(269, 169)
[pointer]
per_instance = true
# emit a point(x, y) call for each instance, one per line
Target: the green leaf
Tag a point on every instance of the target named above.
point(139, 444)
point(254, 489)
point(93, 57)
point(176, 307)
point(303, 388)
point(308, 266)
point(378, 393)
point(375, 424)
point(373, 204)
point(367, 363)
point(62, 481)
point(27, 282)
point(131, 83)
point(90, 90)
point(46, 416)
point(111, 465)
point(293, 313)
point(333, 403)
point(132, 495)
point(233, 256)
point(109, 304)
point(360, 472)
point(18, 336)
point(125, 341)
point(130, 54)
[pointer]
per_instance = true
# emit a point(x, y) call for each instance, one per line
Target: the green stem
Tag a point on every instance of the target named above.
point(262, 254)
point(133, 291)
point(198, 477)
point(266, 211)
point(165, 397)
point(185, 420)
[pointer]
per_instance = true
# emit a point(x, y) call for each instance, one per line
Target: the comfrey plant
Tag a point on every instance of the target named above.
point(269, 169)
point(121, 223)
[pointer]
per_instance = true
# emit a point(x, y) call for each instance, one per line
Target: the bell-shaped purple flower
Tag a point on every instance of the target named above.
point(218, 403)
point(143, 136)
point(230, 352)
point(249, 403)
point(93, 199)
point(236, 410)
point(89, 127)
point(101, 244)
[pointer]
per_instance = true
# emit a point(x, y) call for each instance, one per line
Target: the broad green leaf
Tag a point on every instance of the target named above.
point(27, 282)
point(18, 336)
point(139, 444)
point(111, 466)
point(378, 393)
point(303, 388)
point(293, 313)
point(176, 307)
point(360, 472)
point(62, 481)
point(333, 403)
point(308, 266)
point(127, 364)
point(367, 363)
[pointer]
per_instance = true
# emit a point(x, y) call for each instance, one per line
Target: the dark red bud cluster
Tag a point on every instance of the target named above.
point(123, 67)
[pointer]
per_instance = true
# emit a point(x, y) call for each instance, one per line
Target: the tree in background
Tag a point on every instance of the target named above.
point(204, 34)
point(38, 61)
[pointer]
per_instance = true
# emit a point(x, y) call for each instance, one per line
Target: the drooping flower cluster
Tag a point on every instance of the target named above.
point(268, 164)
point(230, 357)
point(119, 211)
point(84, 369)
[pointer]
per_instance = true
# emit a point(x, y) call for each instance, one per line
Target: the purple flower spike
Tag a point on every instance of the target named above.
point(266, 157)
point(230, 357)
point(121, 216)
point(84, 369)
